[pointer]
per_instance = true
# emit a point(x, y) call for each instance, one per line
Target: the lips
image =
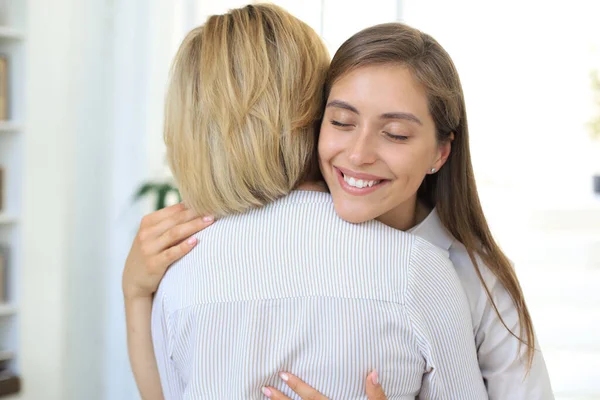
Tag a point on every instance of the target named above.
point(358, 184)
point(359, 175)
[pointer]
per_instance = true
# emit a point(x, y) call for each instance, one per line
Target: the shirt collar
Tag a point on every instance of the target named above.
point(432, 230)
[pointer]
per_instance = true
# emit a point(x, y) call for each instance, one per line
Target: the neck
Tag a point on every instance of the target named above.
point(406, 215)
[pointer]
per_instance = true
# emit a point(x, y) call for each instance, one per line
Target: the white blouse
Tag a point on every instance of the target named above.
point(292, 287)
point(504, 373)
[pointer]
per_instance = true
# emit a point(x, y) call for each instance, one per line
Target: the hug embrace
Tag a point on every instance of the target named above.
point(331, 243)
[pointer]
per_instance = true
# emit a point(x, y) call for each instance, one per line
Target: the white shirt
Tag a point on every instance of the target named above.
point(292, 287)
point(497, 350)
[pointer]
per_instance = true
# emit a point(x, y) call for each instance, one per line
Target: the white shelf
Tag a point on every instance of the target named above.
point(10, 33)
point(7, 309)
point(13, 43)
point(9, 126)
point(6, 219)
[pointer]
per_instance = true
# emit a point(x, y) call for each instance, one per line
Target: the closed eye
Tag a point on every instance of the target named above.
point(338, 123)
point(398, 138)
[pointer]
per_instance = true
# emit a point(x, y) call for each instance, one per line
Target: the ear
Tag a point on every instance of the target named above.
point(443, 153)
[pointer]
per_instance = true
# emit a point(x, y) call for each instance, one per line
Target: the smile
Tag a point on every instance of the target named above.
point(358, 183)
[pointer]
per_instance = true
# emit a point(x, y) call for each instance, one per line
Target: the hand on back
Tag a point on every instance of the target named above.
point(164, 237)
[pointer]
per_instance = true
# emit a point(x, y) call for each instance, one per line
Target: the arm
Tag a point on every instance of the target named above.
point(161, 240)
point(139, 344)
point(439, 311)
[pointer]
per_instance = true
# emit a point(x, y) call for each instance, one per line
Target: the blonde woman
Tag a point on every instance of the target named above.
point(280, 283)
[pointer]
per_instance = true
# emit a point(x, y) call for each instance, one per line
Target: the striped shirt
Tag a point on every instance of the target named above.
point(292, 287)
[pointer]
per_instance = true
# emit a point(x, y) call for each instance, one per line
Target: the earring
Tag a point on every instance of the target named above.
point(433, 170)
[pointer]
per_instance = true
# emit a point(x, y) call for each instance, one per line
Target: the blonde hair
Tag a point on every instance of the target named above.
point(242, 109)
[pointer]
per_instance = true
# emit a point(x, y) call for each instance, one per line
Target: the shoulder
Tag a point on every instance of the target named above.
point(435, 297)
point(433, 231)
point(429, 258)
point(431, 271)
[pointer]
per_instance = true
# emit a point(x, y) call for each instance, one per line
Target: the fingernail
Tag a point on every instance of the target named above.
point(284, 376)
point(266, 391)
point(191, 241)
point(208, 218)
point(374, 378)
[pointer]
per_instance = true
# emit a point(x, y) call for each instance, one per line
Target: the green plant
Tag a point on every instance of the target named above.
point(160, 190)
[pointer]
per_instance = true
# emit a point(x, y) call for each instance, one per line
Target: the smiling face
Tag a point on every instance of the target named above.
point(377, 143)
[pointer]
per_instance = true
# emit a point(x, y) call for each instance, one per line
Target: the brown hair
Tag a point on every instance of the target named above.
point(242, 109)
point(452, 190)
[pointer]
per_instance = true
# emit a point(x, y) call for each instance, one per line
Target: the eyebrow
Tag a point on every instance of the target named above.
point(342, 104)
point(390, 115)
point(402, 115)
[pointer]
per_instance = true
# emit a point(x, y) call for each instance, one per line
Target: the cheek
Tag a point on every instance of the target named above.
point(329, 144)
point(408, 162)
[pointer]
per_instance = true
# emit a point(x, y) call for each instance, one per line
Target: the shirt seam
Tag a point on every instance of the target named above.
point(399, 303)
point(169, 325)
point(409, 318)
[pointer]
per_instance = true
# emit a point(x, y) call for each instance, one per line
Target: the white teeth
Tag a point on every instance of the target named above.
point(359, 183)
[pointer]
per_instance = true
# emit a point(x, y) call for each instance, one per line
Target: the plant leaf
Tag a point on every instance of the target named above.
point(145, 189)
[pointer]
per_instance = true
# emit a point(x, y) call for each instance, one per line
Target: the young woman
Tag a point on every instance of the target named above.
point(393, 95)
point(394, 104)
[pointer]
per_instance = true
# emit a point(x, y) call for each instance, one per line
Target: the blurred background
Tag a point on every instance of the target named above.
point(81, 97)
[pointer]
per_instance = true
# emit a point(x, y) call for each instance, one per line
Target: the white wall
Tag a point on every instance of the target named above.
point(141, 41)
point(87, 256)
point(85, 145)
point(48, 190)
point(525, 70)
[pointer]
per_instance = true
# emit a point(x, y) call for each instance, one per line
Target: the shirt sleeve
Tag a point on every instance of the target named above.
point(502, 361)
point(170, 379)
point(440, 314)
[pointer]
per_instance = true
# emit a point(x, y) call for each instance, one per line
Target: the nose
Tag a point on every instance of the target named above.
point(363, 149)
